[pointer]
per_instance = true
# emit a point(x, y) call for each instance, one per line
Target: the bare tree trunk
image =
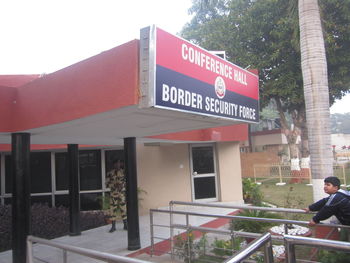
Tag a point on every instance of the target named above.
point(291, 134)
point(314, 69)
point(299, 119)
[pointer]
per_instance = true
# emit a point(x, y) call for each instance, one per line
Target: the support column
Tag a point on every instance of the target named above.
point(74, 187)
point(131, 194)
point(20, 162)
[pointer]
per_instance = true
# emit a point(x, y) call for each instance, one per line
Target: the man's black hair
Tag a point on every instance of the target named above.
point(333, 180)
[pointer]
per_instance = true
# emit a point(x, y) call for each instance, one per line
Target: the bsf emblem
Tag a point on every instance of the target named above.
point(220, 87)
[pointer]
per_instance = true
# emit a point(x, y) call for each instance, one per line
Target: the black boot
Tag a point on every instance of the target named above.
point(125, 224)
point(113, 227)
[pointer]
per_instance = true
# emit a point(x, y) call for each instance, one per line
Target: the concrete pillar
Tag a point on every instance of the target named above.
point(74, 187)
point(21, 217)
point(131, 194)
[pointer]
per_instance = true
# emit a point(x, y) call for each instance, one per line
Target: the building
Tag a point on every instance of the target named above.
point(174, 111)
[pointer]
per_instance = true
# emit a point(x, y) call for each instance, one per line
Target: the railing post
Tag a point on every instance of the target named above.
point(285, 229)
point(171, 229)
point(65, 256)
point(232, 235)
point(151, 231)
point(254, 173)
point(188, 232)
point(290, 251)
point(29, 251)
point(268, 255)
point(344, 175)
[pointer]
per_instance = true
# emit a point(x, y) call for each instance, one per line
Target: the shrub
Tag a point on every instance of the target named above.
point(5, 227)
point(326, 256)
point(184, 246)
point(47, 222)
point(92, 219)
point(251, 192)
point(226, 247)
point(253, 226)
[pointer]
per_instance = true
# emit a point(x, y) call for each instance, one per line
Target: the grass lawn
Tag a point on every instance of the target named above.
point(300, 194)
point(288, 195)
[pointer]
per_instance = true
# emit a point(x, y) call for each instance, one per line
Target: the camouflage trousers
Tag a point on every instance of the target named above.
point(117, 206)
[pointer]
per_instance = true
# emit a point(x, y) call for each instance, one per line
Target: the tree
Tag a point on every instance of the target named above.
point(314, 69)
point(265, 35)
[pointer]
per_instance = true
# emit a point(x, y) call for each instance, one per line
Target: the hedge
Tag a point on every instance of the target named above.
point(47, 222)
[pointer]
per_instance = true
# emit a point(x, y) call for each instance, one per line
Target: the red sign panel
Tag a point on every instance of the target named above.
point(189, 78)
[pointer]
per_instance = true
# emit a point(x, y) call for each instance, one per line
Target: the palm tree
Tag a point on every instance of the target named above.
point(314, 69)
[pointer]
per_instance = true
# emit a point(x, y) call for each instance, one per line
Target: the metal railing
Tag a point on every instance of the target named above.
point(106, 257)
point(231, 233)
point(292, 241)
point(286, 222)
point(263, 241)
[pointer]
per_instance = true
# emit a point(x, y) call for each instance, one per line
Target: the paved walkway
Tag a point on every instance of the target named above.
point(116, 243)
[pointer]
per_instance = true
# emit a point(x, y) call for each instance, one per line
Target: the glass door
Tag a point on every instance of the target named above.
point(203, 168)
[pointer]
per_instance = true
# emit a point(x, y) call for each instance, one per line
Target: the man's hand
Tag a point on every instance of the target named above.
point(312, 223)
point(307, 210)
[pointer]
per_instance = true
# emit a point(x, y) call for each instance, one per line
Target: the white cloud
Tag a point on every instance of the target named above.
point(341, 106)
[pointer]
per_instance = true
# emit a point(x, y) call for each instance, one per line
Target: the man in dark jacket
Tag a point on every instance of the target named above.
point(337, 203)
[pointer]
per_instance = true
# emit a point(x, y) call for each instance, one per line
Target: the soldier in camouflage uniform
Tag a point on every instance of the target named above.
point(115, 181)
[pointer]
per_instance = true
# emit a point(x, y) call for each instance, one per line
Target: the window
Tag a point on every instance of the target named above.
point(203, 161)
point(90, 201)
point(40, 172)
point(61, 171)
point(61, 200)
point(111, 156)
point(45, 199)
point(90, 170)
point(205, 187)
point(8, 172)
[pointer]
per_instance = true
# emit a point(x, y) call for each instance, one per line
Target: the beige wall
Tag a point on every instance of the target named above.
point(164, 172)
point(229, 170)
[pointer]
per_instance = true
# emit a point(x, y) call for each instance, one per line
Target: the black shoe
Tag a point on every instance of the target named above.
point(112, 228)
point(125, 224)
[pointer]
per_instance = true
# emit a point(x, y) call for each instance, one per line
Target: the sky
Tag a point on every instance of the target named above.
point(43, 36)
